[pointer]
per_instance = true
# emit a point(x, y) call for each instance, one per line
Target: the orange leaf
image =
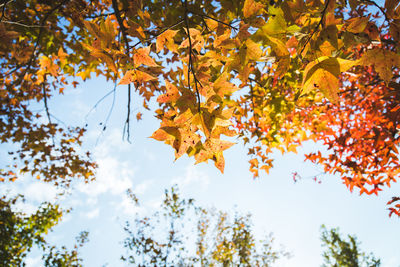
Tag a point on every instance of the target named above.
point(136, 76)
point(166, 38)
point(251, 8)
point(171, 95)
point(142, 57)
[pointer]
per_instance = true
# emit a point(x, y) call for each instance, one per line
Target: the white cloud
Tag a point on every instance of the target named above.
point(109, 142)
point(150, 156)
point(193, 176)
point(141, 188)
point(129, 208)
point(112, 177)
point(92, 214)
point(91, 201)
point(40, 192)
point(34, 193)
point(154, 204)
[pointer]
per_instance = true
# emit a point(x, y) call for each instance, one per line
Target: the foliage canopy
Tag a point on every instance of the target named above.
point(19, 233)
point(274, 73)
point(182, 233)
point(346, 253)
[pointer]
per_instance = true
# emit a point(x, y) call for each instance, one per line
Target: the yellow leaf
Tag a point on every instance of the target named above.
point(253, 50)
point(276, 23)
point(222, 86)
point(323, 75)
point(278, 46)
point(212, 149)
point(358, 24)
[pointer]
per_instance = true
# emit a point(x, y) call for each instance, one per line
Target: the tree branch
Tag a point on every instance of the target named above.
point(158, 34)
point(190, 67)
point(37, 48)
point(316, 27)
point(219, 21)
point(121, 24)
point(379, 7)
point(45, 102)
point(126, 41)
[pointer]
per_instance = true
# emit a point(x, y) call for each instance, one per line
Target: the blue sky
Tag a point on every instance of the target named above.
point(293, 212)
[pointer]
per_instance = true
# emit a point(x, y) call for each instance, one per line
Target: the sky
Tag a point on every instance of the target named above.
point(293, 212)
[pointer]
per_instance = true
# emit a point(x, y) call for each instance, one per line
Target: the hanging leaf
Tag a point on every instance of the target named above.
point(141, 56)
point(251, 8)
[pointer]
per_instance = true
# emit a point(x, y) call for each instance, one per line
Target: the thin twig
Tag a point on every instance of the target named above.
point(121, 24)
point(4, 10)
point(126, 41)
point(21, 24)
point(36, 47)
point(217, 20)
point(379, 7)
point(102, 15)
point(127, 122)
point(158, 34)
point(316, 27)
point(98, 102)
point(190, 67)
point(109, 112)
point(45, 102)
point(46, 107)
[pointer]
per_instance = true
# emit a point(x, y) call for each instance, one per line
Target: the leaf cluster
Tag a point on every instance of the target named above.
point(274, 74)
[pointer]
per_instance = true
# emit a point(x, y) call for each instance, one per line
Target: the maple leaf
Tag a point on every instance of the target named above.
point(139, 116)
point(251, 8)
point(233, 45)
point(188, 140)
point(141, 56)
point(383, 61)
point(166, 38)
point(250, 51)
point(323, 74)
point(357, 25)
point(222, 86)
point(136, 76)
point(276, 24)
point(213, 149)
point(172, 94)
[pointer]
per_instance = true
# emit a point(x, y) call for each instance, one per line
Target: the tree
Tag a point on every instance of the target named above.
point(19, 233)
point(184, 234)
point(274, 73)
point(340, 252)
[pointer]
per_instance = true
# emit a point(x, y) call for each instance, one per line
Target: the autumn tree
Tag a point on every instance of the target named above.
point(345, 253)
point(182, 233)
point(20, 233)
point(273, 73)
